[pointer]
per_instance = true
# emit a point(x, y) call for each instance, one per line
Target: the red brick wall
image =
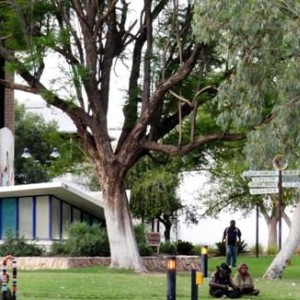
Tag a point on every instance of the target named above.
point(9, 106)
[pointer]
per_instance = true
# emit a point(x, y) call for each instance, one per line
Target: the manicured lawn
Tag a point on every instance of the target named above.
point(103, 283)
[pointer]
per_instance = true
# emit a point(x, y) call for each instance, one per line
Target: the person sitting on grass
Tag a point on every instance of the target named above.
point(221, 283)
point(244, 281)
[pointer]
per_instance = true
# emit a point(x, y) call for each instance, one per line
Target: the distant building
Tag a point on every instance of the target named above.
point(44, 211)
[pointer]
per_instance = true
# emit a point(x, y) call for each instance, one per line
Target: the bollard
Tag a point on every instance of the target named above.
point(204, 261)
point(171, 275)
point(194, 287)
point(197, 279)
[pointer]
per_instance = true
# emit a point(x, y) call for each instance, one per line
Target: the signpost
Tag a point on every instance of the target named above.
point(266, 182)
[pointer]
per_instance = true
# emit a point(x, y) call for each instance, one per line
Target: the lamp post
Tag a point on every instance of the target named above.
point(280, 164)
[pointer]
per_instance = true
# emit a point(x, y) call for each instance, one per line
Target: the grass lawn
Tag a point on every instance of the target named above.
point(103, 283)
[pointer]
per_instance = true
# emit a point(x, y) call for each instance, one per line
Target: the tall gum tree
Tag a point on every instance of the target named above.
point(92, 38)
point(259, 41)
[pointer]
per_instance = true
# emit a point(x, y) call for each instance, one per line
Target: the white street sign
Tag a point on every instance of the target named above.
point(264, 191)
point(260, 173)
point(291, 172)
point(290, 179)
point(291, 184)
point(263, 184)
point(265, 179)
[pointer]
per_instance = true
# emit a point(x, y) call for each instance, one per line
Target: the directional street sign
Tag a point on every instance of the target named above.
point(260, 173)
point(290, 172)
point(291, 184)
point(264, 191)
point(263, 184)
point(265, 179)
point(290, 179)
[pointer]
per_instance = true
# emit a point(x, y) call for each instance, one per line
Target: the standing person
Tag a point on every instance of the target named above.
point(244, 281)
point(231, 236)
point(222, 285)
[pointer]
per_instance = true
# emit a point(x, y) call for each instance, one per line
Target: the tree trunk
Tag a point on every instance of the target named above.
point(272, 232)
point(279, 263)
point(123, 246)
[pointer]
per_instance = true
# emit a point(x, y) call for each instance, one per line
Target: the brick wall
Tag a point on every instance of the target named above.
point(9, 106)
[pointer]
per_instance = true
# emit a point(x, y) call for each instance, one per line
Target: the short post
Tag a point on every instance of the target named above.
point(171, 275)
point(197, 279)
point(204, 261)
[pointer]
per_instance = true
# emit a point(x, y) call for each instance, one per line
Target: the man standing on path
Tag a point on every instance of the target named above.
point(232, 235)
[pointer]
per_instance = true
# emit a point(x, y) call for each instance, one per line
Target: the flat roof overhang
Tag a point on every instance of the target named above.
point(84, 201)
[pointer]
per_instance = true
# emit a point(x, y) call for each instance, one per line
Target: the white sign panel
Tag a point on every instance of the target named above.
point(262, 184)
point(264, 191)
point(260, 173)
point(290, 179)
point(265, 179)
point(291, 184)
point(291, 172)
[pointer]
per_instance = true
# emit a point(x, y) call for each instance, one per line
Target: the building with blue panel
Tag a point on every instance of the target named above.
point(44, 211)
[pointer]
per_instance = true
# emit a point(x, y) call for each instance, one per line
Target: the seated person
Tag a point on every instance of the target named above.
point(221, 284)
point(244, 281)
point(8, 295)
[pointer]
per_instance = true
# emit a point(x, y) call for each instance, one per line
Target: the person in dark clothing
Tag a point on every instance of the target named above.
point(221, 283)
point(232, 235)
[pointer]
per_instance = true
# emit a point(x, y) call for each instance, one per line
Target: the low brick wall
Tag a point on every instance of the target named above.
point(152, 263)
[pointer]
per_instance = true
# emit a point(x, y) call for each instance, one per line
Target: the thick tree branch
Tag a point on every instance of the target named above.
point(174, 150)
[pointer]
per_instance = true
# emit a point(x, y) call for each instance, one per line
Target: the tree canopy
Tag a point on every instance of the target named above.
point(89, 40)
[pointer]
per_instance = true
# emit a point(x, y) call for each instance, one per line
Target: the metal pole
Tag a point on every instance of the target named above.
point(280, 209)
point(257, 231)
point(194, 286)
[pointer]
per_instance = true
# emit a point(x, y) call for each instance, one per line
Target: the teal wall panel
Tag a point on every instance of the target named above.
point(9, 216)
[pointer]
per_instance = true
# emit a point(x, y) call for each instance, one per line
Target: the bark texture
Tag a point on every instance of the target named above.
point(289, 246)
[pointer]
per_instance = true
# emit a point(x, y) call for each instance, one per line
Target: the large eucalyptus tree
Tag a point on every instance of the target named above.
point(91, 38)
point(260, 43)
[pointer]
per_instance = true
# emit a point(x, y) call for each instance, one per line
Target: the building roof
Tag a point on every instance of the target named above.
point(85, 201)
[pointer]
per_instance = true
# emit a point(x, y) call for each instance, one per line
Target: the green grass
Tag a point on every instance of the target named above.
point(104, 283)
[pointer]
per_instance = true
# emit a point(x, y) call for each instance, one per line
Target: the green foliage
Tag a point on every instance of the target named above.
point(16, 246)
point(252, 250)
point(221, 248)
point(184, 247)
point(40, 137)
point(168, 248)
point(85, 240)
point(272, 249)
point(145, 250)
point(58, 249)
point(140, 233)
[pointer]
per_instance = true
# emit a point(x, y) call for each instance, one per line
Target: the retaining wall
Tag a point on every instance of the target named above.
point(152, 263)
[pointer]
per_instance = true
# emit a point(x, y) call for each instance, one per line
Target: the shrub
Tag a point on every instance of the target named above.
point(168, 248)
point(184, 247)
point(58, 248)
point(145, 250)
point(140, 233)
point(272, 249)
point(253, 250)
point(18, 247)
point(85, 240)
point(221, 248)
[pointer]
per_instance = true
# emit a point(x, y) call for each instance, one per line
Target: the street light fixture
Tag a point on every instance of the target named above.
point(54, 154)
